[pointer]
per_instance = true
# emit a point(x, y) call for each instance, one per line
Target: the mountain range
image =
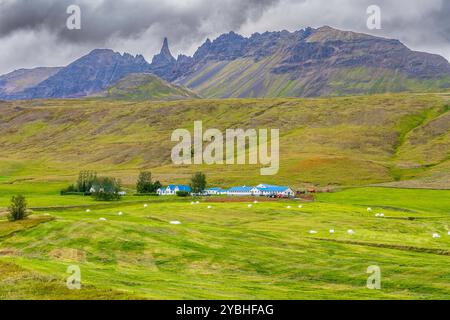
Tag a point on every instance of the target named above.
point(304, 63)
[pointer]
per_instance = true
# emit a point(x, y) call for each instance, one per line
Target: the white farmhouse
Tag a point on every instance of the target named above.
point(239, 191)
point(269, 190)
point(172, 190)
point(214, 191)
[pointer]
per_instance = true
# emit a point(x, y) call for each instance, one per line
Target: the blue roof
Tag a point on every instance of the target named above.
point(180, 187)
point(240, 189)
point(214, 189)
point(269, 188)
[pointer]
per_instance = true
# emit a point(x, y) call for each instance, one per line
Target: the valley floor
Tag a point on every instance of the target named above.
point(230, 250)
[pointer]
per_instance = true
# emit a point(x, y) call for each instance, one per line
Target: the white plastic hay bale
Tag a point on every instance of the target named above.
point(88, 210)
point(369, 209)
point(175, 222)
point(209, 207)
point(192, 203)
point(381, 215)
point(350, 231)
point(288, 207)
point(255, 201)
point(249, 206)
point(377, 215)
point(436, 235)
point(145, 205)
point(198, 202)
point(448, 233)
point(102, 219)
point(312, 232)
point(300, 206)
point(120, 213)
point(331, 231)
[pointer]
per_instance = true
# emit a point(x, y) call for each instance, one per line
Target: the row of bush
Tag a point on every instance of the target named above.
point(109, 188)
point(89, 184)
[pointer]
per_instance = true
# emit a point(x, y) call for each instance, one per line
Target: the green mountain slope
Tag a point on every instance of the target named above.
point(310, 62)
point(391, 138)
point(145, 86)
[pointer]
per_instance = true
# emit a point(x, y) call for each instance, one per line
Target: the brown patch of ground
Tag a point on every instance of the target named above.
point(69, 254)
point(9, 252)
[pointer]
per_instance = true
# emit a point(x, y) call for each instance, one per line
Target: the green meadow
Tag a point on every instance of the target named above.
point(389, 152)
point(230, 250)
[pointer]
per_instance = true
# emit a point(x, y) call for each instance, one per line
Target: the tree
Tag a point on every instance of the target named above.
point(106, 189)
point(198, 182)
point(86, 180)
point(18, 209)
point(144, 183)
point(156, 186)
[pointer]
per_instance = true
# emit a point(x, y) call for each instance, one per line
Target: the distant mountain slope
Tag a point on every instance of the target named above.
point(146, 86)
point(19, 80)
point(328, 141)
point(90, 74)
point(310, 62)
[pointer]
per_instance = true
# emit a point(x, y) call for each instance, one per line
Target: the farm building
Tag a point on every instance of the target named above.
point(214, 191)
point(269, 190)
point(239, 191)
point(172, 190)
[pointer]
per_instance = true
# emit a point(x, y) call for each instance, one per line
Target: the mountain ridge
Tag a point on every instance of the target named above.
point(308, 62)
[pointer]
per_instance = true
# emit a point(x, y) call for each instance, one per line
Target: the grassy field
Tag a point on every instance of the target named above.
point(231, 251)
point(362, 147)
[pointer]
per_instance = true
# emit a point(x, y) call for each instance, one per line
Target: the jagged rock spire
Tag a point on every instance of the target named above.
point(165, 48)
point(165, 56)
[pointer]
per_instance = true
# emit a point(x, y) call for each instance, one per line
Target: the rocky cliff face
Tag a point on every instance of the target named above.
point(307, 62)
point(90, 74)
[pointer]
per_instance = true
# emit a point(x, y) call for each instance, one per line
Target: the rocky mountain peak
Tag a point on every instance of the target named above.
point(165, 57)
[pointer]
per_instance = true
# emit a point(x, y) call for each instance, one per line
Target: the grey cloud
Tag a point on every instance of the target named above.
point(138, 26)
point(102, 20)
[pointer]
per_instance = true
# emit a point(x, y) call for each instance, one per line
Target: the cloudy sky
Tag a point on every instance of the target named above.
point(34, 33)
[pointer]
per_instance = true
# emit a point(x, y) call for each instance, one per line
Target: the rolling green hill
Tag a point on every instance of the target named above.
point(145, 86)
point(398, 139)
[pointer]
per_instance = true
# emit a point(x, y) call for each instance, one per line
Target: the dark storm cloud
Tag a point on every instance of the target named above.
point(138, 26)
point(102, 20)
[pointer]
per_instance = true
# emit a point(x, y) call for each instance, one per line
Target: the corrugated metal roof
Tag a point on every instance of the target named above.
point(172, 187)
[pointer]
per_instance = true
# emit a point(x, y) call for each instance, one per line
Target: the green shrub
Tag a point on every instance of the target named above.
point(18, 209)
point(69, 189)
point(75, 193)
point(182, 194)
